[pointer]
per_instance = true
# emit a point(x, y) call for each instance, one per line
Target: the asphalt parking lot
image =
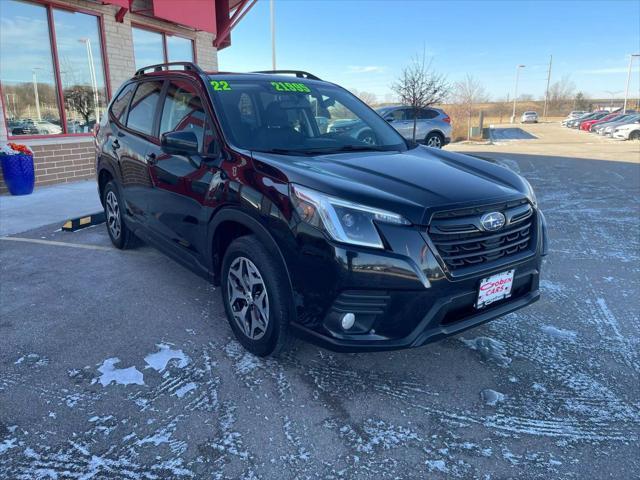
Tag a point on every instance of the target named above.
point(121, 365)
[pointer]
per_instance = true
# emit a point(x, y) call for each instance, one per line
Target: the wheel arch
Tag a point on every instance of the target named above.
point(437, 131)
point(104, 176)
point(230, 223)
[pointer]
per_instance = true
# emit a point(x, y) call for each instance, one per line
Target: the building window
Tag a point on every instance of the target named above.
point(150, 48)
point(179, 49)
point(81, 69)
point(36, 73)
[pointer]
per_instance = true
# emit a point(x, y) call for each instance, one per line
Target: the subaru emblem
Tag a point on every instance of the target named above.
point(492, 221)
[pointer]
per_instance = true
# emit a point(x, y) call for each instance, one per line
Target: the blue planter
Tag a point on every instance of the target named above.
point(18, 174)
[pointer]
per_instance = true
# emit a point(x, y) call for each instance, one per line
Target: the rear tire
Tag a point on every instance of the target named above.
point(119, 233)
point(257, 297)
point(635, 135)
point(434, 139)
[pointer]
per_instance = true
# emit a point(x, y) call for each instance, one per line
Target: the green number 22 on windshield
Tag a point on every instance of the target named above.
point(220, 85)
point(290, 87)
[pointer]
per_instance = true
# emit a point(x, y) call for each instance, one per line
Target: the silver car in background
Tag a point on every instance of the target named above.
point(433, 125)
point(573, 115)
point(529, 117)
point(607, 128)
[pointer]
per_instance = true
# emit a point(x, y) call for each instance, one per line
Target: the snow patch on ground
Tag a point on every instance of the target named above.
point(182, 391)
point(7, 445)
point(437, 466)
point(490, 349)
point(548, 286)
point(32, 359)
point(121, 376)
point(491, 397)
point(559, 333)
point(160, 359)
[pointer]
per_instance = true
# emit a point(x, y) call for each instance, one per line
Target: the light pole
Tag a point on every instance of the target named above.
point(515, 93)
point(35, 91)
point(626, 92)
point(273, 36)
point(612, 93)
point(92, 73)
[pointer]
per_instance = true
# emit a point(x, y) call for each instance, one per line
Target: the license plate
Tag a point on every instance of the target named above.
point(494, 288)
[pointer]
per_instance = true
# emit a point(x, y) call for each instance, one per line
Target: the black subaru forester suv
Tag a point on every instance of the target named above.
point(353, 245)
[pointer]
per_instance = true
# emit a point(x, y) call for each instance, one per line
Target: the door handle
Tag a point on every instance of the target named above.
point(151, 158)
point(115, 145)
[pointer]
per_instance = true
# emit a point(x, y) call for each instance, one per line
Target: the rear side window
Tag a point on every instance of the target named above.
point(183, 111)
point(119, 105)
point(427, 114)
point(399, 114)
point(143, 107)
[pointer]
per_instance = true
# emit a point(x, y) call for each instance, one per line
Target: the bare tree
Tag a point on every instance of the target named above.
point(468, 93)
point(419, 86)
point(561, 93)
point(367, 97)
point(80, 99)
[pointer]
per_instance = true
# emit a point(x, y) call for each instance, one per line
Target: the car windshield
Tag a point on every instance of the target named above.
point(298, 117)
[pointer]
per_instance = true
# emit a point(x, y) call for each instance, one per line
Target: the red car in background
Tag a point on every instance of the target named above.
point(586, 125)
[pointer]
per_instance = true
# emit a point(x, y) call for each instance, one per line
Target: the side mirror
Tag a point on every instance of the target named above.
point(179, 143)
point(389, 119)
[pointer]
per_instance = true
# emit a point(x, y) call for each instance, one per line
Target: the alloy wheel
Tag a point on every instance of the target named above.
point(368, 138)
point(113, 215)
point(434, 141)
point(248, 298)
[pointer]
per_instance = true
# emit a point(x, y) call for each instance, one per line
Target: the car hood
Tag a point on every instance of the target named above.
point(413, 183)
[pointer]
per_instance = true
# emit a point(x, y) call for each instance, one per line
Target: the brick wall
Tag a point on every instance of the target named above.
point(61, 162)
point(61, 159)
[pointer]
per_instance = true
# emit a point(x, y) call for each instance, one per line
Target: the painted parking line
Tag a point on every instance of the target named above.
point(57, 244)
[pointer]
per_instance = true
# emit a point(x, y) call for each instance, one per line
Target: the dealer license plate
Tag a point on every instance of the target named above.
point(494, 288)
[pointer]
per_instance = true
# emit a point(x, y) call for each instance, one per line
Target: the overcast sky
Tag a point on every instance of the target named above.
point(363, 44)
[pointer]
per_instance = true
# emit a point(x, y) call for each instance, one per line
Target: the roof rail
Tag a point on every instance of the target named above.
point(297, 73)
point(190, 66)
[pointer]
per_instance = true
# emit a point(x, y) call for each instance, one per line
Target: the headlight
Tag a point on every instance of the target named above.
point(344, 221)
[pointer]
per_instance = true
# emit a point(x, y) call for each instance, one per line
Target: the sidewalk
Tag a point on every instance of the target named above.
point(48, 205)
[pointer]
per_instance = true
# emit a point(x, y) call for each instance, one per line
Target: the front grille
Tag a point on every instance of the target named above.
point(462, 242)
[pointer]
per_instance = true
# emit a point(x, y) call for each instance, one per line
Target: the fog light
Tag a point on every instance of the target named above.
point(348, 319)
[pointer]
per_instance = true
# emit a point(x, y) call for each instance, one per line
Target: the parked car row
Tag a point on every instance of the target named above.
point(616, 124)
point(28, 126)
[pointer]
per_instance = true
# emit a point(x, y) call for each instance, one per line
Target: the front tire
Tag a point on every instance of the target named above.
point(367, 137)
point(434, 139)
point(257, 297)
point(120, 235)
point(635, 135)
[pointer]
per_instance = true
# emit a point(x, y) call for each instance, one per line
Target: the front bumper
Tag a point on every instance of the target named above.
point(401, 300)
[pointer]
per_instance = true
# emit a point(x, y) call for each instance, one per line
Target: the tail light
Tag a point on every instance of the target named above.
point(447, 119)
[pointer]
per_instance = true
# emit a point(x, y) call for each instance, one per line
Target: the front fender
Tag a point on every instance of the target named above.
point(250, 222)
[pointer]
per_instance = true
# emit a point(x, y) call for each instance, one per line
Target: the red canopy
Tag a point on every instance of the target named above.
point(119, 3)
point(198, 14)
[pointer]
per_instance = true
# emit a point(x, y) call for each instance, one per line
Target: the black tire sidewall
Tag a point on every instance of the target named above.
point(121, 241)
point(276, 337)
